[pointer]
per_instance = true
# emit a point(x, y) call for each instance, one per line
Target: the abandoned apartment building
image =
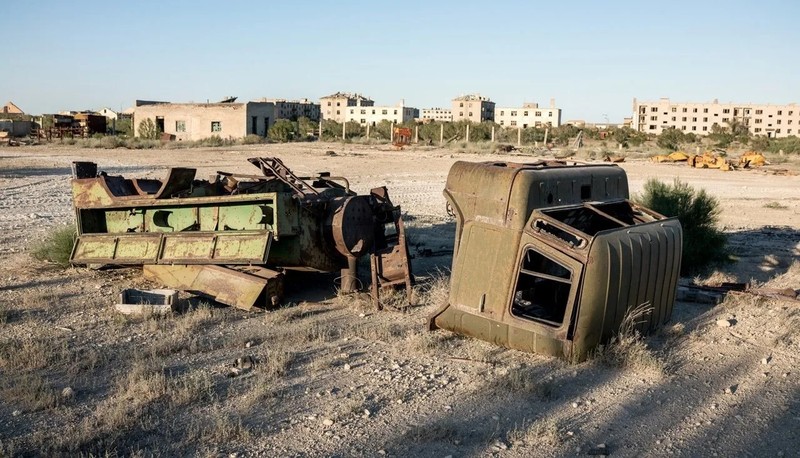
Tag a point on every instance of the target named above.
point(334, 107)
point(529, 115)
point(373, 114)
point(196, 121)
point(772, 121)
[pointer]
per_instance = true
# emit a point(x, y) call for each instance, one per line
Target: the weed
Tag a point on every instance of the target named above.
point(526, 381)
point(436, 291)
point(546, 431)
point(56, 246)
point(775, 206)
point(627, 349)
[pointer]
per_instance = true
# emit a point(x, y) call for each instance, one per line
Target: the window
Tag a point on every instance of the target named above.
point(694, 127)
point(524, 113)
point(501, 122)
point(694, 110)
point(352, 111)
point(777, 131)
point(513, 123)
point(549, 114)
point(501, 113)
point(684, 110)
point(216, 126)
point(674, 109)
point(705, 119)
point(674, 118)
point(683, 127)
point(759, 111)
point(705, 128)
point(513, 113)
point(789, 121)
point(758, 121)
point(791, 113)
point(543, 289)
point(180, 126)
point(789, 131)
point(694, 119)
point(470, 114)
point(652, 127)
point(363, 111)
point(337, 111)
point(538, 113)
point(654, 109)
point(329, 103)
point(757, 129)
point(387, 111)
point(337, 104)
point(726, 110)
point(683, 119)
point(461, 105)
point(461, 113)
point(725, 119)
point(779, 121)
point(705, 110)
point(653, 118)
point(373, 111)
point(363, 121)
point(780, 112)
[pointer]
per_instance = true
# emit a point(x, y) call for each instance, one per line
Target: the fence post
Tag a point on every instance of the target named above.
point(519, 136)
point(467, 133)
point(416, 134)
point(319, 137)
point(391, 133)
point(492, 134)
point(344, 126)
point(546, 133)
point(441, 134)
point(367, 130)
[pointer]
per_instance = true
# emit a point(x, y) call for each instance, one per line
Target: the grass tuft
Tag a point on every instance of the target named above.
point(56, 246)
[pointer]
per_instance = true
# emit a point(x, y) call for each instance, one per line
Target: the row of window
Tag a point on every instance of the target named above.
point(525, 113)
point(180, 126)
point(705, 129)
point(724, 111)
point(755, 121)
point(383, 112)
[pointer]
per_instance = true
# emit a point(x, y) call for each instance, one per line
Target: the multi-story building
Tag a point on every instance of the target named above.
point(437, 114)
point(196, 121)
point(699, 118)
point(334, 106)
point(472, 107)
point(529, 115)
point(293, 109)
point(372, 114)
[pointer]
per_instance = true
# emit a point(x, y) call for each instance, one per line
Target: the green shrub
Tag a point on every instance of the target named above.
point(56, 246)
point(282, 131)
point(698, 212)
point(148, 130)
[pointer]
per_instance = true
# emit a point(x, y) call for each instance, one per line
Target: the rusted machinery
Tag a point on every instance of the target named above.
point(232, 236)
point(550, 257)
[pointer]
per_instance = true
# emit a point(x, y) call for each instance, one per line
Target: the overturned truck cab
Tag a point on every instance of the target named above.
point(549, 257)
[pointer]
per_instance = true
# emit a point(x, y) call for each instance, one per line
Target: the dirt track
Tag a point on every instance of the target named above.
point(358, 383)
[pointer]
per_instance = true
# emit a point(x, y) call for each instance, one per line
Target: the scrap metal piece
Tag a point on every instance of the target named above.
point(389, 262)
point(549, 258)
point(243, 288)
point(140, 301)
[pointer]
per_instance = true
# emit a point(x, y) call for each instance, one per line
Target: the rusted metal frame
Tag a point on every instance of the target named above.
point(274, 167)
point(395, 248)
point(132, 201)
point(605, 215)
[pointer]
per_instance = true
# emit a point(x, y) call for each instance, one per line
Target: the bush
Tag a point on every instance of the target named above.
point(148, 130)
point(282, 131)
point(698, 212)
point(57, 246)
point(671, 139)
point(252, 139)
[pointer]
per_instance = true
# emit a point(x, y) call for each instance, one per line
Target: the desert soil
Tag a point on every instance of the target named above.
point(333, 377)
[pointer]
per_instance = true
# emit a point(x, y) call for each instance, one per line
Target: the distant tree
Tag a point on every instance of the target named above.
point(671, 139)
point(148, 130)
point(306, 127)
point(123, 127)
point(282, 131)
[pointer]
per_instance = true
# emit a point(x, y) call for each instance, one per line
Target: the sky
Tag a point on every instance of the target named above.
point(592, 57)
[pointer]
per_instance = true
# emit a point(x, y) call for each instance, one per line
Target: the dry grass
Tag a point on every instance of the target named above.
point(23, 354)
point(436, 291)
point(546, 431)
point(218, 428)
point(628, 349)
point(184, 333)
point(523, 380)
point(28, 392)
point(197, 386)
point(776, 206)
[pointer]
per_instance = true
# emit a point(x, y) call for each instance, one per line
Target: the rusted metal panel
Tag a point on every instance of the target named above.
point(245, 289)
point(240, 247)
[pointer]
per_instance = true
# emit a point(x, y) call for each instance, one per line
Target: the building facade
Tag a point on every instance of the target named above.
point(294, 109)
point(528, 115)
point(334, 106)
point(196, 121)
point(10, 108)
point(472, 107)
point(437, 114)
point(372, 114)
point(772, 121)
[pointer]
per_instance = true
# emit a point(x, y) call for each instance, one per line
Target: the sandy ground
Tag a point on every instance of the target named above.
point(338, 379)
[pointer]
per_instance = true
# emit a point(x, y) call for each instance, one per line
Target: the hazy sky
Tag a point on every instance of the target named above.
point(593, 57)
